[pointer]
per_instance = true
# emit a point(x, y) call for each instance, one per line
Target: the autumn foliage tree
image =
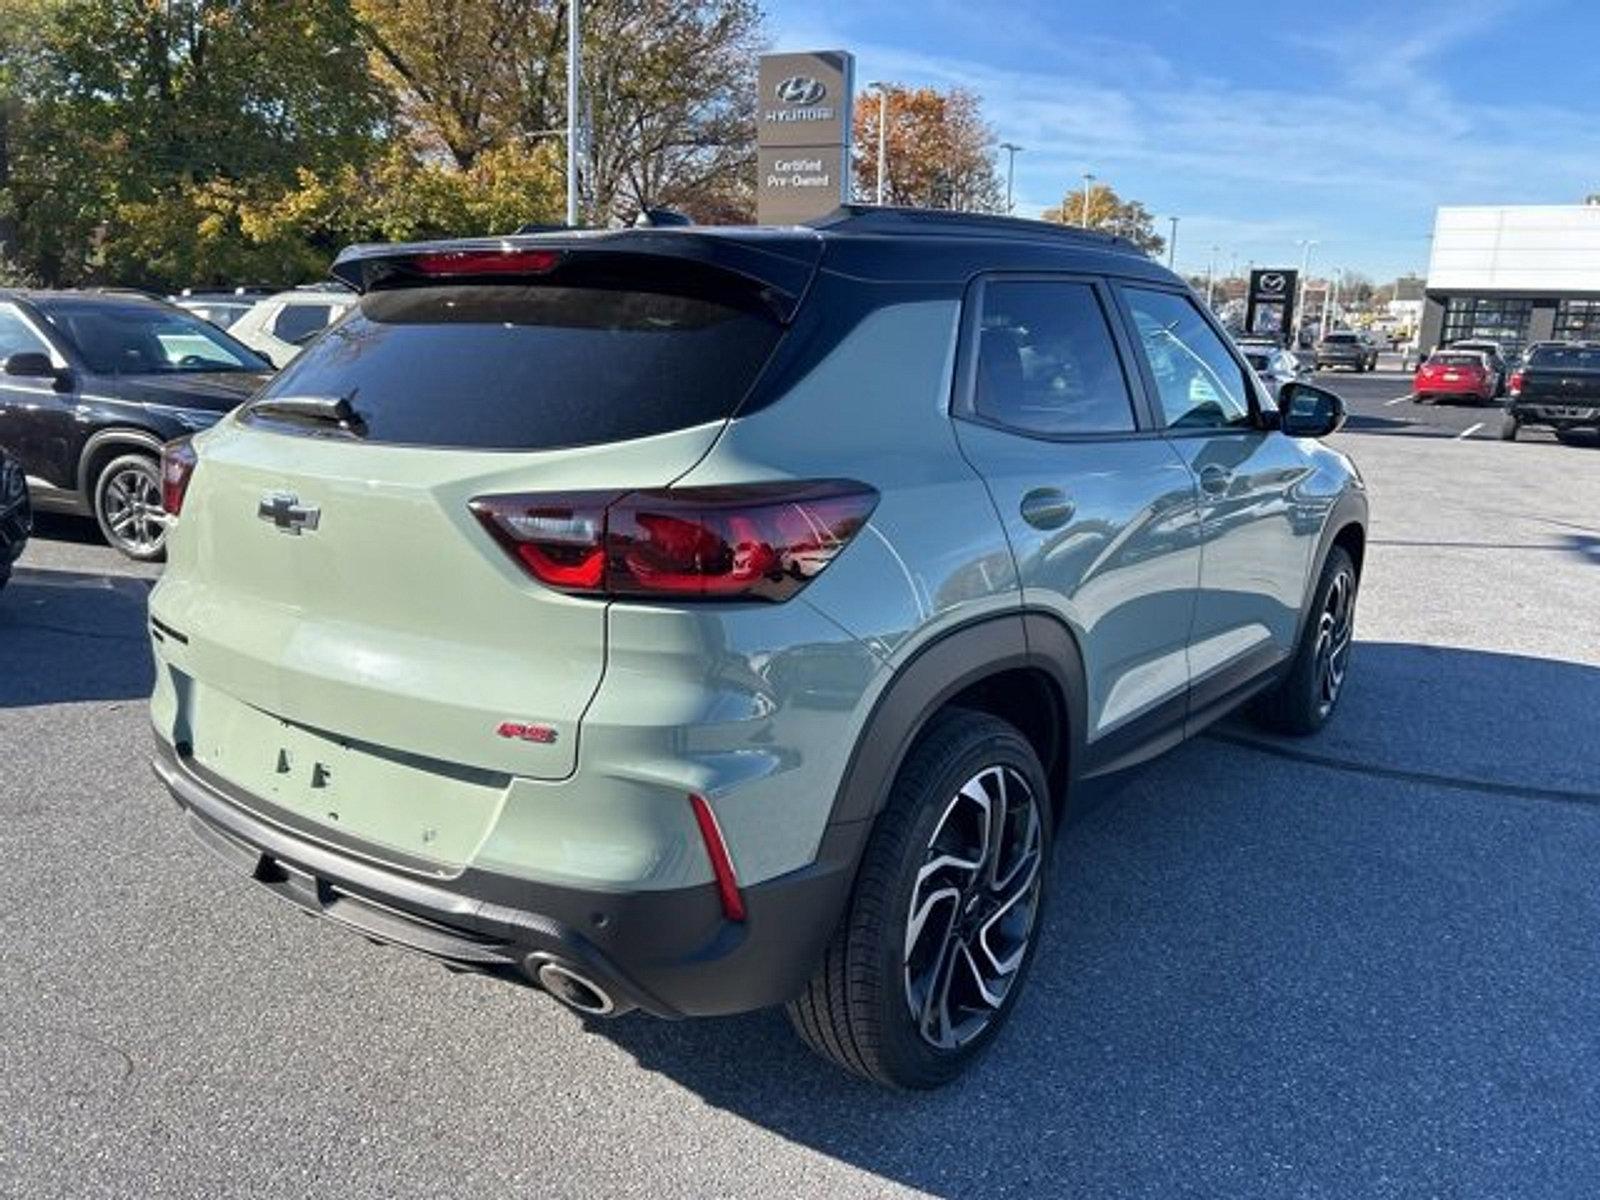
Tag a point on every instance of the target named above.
point(1110, 213)
point(940, 150)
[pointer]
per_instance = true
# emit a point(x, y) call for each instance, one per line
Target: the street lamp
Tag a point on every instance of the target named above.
point(1011, 149)
point(1305, 245)
point(1172, 243)
point(883, 138)
point(574, 66)
point(1088, 185)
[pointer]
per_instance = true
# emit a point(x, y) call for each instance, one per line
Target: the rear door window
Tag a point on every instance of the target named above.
point(531, 367)
point(1047, 363)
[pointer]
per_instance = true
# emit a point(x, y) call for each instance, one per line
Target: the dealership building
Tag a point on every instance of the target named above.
point(1513, 274)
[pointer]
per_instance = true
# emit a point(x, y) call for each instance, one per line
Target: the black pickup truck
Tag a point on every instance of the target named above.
point(1559, 387)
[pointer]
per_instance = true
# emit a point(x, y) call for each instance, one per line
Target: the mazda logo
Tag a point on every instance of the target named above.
point(800, 90)
point(1272, 283)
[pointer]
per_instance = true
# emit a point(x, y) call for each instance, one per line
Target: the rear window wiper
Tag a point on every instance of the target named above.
point(330, 410)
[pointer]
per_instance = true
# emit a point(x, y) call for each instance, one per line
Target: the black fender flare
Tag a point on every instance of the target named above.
point(1350, 509)
point(121, 437)
point(939, 671)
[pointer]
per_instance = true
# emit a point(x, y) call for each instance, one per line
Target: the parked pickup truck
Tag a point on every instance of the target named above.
point(1558, 387)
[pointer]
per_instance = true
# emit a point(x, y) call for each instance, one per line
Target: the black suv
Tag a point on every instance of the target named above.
point(91, 386)
point(16, 516)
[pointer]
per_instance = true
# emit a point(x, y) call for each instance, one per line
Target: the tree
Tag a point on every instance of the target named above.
point(1110, 213)
point(668, 87)
point(940, 150)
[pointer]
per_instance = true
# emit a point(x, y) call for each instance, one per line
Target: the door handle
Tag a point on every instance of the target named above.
point(1214, 480)
point(1047, 508)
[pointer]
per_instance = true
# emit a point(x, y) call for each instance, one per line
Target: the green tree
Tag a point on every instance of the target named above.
point(1110, 213)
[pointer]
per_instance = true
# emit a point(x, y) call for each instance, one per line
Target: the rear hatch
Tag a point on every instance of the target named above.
point(347, 641)
point(1563, 376)
point(1465, 370)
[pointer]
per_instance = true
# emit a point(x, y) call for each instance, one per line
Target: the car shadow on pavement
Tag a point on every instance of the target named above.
point(1367, 970)
point(69, 636)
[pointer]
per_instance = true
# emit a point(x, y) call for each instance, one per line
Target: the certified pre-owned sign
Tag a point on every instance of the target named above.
point(803, 134)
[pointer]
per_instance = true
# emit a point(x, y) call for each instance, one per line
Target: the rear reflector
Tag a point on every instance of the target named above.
point(177, 466)
point(721, 864)
point(755, 541)
point(506, 261)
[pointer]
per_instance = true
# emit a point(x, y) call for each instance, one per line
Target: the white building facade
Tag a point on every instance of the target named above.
point(1516, 275)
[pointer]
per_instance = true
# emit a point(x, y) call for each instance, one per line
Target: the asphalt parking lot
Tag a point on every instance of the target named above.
point(1362, 965)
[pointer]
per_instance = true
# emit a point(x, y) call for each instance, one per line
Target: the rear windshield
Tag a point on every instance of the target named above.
point(1457, 360)
point(1566, 358)
point(1258, 360)
point(520, 367)
point(1340, 339)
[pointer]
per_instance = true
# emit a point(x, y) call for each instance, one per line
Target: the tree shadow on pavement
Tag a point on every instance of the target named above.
point(68, 636)
point(1268, 976)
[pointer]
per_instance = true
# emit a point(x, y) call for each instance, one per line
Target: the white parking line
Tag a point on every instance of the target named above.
point(1469, 431)
point(1397, 400)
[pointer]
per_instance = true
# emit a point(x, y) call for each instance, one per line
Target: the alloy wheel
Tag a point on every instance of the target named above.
point(130, 503)
point(973, 907)
point(1335, 631)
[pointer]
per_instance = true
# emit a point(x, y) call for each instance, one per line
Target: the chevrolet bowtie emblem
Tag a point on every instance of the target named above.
point(285, 511)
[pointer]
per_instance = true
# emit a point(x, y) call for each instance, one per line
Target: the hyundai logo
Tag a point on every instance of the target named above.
point(800, 90)
point(1272, 283)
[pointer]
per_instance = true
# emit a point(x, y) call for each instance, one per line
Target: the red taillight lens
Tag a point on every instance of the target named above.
point(1515, 386)
point(506, 261)
point(756, 541)
point(177, 466)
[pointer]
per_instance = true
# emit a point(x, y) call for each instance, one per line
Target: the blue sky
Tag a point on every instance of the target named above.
point(1259, 123)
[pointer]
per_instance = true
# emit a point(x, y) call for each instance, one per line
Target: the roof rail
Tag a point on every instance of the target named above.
point(870, 218)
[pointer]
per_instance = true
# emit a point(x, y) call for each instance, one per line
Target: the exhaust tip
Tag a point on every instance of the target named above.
point(574, 990)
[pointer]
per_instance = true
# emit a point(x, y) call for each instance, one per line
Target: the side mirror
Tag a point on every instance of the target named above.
point(30, 364)
point(1309, 411)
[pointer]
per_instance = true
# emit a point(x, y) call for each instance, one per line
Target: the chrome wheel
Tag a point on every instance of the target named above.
point(130, 509)
point(1335, 631)
point(973, 907)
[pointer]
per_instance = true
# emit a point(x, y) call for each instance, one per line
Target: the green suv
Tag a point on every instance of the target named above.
point(697, 620)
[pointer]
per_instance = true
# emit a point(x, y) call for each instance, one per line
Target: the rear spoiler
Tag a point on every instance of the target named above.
point(771, 267)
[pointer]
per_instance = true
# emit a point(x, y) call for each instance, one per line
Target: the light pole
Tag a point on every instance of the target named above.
point(883, 138)
point(1330, 300)
point(1211, 276)
point(1172, 242)
point(1305, 245)
point(574, 66)
point(1011, 149)
point(1088, 186)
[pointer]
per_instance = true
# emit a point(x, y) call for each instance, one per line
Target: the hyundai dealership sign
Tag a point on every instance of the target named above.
point(803, 122)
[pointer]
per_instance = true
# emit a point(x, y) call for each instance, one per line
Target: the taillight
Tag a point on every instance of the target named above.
point(754, 541)
point(177, 466)
point(485, 261)
point(1515, 386)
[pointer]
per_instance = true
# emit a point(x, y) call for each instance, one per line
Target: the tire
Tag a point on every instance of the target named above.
point(127, 504)
point(858, 1009)
point(1575, 437)
point(1509, 428)
point(1309, 695)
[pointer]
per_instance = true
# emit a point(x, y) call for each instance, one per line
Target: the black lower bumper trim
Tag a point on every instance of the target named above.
point(670, 953)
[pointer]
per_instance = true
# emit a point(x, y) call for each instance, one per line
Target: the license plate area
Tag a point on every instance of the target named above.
point(373, 797)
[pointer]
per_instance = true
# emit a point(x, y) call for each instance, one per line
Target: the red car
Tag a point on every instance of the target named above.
point(1455, 375)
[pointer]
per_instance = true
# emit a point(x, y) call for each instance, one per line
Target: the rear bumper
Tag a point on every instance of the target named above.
point(1555, 414)
point(670, 952)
